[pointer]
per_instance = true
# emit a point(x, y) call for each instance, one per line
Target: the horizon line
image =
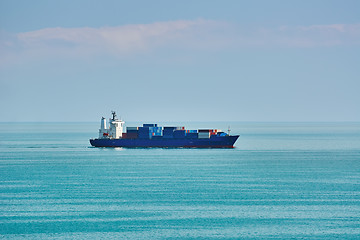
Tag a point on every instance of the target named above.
point(188, 121)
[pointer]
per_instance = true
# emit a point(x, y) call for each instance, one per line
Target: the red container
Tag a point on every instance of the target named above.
point(131, 135)
point(124, 135)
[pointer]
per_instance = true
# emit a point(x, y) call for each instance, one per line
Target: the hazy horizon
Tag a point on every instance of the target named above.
point(189, 121)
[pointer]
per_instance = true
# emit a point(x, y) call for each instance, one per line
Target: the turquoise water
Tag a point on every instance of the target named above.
point(282, 181)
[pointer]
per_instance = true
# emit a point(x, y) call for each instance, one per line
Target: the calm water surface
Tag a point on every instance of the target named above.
point(282, 181)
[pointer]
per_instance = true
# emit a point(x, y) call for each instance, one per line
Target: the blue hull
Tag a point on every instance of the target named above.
point(213, 142)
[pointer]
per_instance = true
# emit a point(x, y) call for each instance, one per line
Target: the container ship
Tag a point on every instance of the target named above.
point(152, 135)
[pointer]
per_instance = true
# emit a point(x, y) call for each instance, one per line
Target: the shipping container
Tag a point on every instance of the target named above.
point(149, 125)
point(143, 130)
point(132, 135)
point(168, 136)
point(148, 132)
point(179, 134)
point(211, 131)
point(124, 135)
point(191, 135)
point(173, 128)
point(205, 130)
point(215, 131)
point(204, 135)
point(168, 131)
point(132, 131)
point(132, 128)
point(191, 131)
point(156, 137)
point(155, 131)
point(144, 136)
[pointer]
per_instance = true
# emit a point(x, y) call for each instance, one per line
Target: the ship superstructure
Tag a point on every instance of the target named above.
point(115, 129)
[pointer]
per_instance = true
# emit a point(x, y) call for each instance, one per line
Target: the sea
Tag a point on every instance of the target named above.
point(281, 181)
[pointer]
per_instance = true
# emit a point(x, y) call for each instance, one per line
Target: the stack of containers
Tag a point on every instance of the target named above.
point(205, 133)
point(155, 131)
point(149, 130)
point(132, 132)
point(179, 133)
point(191, 134)
point(170, 131)
point(144, 132)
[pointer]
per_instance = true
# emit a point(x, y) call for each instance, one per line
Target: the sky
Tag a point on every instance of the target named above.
point(262, 61)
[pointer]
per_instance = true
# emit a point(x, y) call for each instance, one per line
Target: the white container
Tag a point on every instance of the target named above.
point(203, 135)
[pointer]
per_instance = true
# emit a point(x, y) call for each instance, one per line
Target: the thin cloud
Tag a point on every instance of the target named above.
point(319, 35)
point(118, 40)
point(342, 28)
point(183, 34)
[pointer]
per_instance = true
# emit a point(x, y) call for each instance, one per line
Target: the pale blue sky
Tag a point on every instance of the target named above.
point(180, 60)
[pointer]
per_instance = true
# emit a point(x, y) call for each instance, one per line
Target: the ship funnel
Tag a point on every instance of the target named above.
point(103, 131)
point(103, 123)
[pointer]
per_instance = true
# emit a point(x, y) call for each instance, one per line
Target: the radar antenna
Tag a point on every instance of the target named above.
point(113, 115)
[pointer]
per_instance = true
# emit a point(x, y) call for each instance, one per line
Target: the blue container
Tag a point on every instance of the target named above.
point(143, 136)
point(132, 131)
point(144, 132)
point(191, 135)
point(168, 136)
point(191, 131)
point(143, 129)
point(156, 137)
point(155, 131)
point(179, 134)
point(168, 132)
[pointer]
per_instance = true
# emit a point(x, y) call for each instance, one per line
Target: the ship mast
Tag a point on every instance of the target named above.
point(114, 115)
